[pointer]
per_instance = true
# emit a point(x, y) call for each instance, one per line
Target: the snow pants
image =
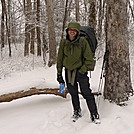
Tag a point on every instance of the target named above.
point(83, 81)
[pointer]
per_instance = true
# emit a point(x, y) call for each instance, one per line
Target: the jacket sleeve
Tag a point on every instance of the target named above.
point(88, 61)
point(60, 58)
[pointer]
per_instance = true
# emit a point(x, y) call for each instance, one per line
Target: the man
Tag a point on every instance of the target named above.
point(77, 58)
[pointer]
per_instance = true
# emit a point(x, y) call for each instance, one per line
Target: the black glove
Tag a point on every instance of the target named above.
point(60, 79)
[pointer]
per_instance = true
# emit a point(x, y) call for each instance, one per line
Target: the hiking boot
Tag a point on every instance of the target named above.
point(77, 114)
point(95, 118)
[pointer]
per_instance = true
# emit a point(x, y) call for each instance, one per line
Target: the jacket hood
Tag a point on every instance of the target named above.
point(74, 25)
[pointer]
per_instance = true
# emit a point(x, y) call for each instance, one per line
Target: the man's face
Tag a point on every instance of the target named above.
point(72, 32)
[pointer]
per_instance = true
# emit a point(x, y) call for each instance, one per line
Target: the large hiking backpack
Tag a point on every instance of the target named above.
point(90, 36)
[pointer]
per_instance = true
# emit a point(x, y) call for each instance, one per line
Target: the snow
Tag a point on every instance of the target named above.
point(25, 80)
point(50, 114)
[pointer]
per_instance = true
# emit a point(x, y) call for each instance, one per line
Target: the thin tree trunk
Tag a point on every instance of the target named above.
point(51, 32)
point(101, 5)
point(38, 29)
point(131, 9)
point(64, 20)
point(2, 26)
point(44, 46)
point(32, 39)
point(13, 28)
point(92, 14)
point(84, 15)
point(69, 5)
point(7, 24)
point(77, 10)
point(32, 46)
point(27, 10)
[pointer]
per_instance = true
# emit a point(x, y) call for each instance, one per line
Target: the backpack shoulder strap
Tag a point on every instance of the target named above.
point(81, 39)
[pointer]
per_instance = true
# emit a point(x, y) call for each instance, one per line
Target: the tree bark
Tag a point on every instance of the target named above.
point(8, 23)
point(7, 16)
point(64, 19)
point(27, 10)
point(51, 33)
point(44, 45)
point(34, 91)
point(92, 14)
point(32, 31)
point(117, 75)
point(2, 26)
point(77, 10)
point(101, 14)
point(38, 29)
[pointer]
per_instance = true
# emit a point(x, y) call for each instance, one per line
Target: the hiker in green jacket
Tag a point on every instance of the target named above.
point(77, 59)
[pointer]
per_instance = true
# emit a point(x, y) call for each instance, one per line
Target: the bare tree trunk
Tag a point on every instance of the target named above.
point(99, 19)
point(2, 26)
point(27, 10)
point(7, 16)
point(64, 20)
point(44, 46)
point(84, 15)
point(131, 9)
point(32, 46)
point(13, 24)
point(77, 10)
point(69, 5)
point(101, 5)
point(8, 22)
point(51, 32)
point(117, 79)
point(85, 5)
point(32, 39)
point(38, 29)
point(92, 14)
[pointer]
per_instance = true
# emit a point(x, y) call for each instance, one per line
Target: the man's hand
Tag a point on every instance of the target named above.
point(60, 79)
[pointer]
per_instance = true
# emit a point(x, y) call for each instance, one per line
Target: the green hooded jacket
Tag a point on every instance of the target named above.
point(75, 54)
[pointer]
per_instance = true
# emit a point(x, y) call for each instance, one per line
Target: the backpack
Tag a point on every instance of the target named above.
point(89, 34)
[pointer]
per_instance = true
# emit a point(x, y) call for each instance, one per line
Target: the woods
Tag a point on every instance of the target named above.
point(40, 24)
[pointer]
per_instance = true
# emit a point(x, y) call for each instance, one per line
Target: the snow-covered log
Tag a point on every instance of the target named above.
point(34, 91)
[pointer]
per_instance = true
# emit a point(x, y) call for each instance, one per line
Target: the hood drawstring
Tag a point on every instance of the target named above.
point(71, 49)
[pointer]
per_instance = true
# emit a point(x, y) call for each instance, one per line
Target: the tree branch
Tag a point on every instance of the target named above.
point(132, 12)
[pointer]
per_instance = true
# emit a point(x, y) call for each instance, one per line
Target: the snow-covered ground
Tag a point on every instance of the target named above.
point(50, 114)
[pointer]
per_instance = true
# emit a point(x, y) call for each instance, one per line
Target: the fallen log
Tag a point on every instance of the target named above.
point(34, 91)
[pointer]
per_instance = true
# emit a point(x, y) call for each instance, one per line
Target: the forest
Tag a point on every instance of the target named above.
point(32, 29)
